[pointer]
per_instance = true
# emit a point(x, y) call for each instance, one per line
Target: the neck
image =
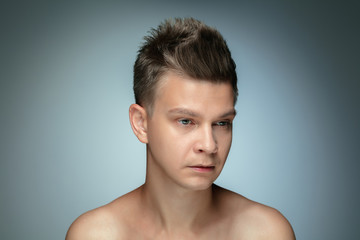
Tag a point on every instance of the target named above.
point(175, 208)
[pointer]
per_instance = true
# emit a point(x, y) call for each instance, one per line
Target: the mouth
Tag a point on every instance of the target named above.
point(201, 168)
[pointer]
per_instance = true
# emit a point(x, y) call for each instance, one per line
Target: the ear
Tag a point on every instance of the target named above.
point(138, 121)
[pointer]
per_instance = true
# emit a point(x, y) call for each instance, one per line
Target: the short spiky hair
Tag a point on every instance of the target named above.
point(185, 46)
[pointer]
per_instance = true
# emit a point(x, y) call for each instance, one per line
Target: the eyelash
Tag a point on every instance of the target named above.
point(181, 121)
point(221, 124)
point(224, 124)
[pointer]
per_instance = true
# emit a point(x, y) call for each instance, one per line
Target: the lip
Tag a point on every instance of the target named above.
point(203, 169)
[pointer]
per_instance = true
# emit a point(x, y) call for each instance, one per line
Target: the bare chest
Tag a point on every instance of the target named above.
point(149, 231)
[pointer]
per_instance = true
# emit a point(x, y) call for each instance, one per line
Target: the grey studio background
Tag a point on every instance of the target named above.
point(66, 85)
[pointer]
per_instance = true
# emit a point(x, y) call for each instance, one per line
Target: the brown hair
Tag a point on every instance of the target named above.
point(185, 46)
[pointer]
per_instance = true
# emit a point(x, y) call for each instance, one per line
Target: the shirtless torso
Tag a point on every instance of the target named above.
point(233, 217)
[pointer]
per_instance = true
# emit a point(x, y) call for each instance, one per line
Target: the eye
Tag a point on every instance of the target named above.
point(184, 122)
point(224, 124)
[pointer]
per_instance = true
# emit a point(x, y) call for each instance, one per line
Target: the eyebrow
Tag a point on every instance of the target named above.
point(191, 113)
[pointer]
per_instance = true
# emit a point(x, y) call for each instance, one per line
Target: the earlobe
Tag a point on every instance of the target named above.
point(138, 121)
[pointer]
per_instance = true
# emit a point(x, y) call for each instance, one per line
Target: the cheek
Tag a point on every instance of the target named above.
point(183, 145)
point(225, 143)
point(166, 142)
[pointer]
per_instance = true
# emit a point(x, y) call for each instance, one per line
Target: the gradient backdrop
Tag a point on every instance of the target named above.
point(66, 85)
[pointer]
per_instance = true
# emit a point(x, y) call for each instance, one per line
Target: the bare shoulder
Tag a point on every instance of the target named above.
point(252, 220)
point(93, 224)
point(266, 223)
point(106, 222)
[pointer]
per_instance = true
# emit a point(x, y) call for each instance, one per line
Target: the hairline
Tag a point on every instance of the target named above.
point(149, 107)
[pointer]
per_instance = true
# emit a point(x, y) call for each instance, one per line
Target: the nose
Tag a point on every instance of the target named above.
point(207, 142)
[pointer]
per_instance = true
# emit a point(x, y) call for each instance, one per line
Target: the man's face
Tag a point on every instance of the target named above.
point(190, 131)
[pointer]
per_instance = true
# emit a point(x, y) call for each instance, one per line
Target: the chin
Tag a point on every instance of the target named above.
point(198, 185)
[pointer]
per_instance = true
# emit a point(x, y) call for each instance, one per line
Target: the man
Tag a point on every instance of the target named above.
point(185, 88)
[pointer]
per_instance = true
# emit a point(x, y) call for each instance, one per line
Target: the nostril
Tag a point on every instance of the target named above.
point(209, 150)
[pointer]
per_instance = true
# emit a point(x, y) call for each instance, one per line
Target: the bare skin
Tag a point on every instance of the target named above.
point(231, 216)
point(188, 137)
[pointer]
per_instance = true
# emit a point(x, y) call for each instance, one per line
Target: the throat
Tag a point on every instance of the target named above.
point(178, 210)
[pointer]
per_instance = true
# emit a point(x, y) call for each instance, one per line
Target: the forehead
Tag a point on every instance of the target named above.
point(201, 96)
